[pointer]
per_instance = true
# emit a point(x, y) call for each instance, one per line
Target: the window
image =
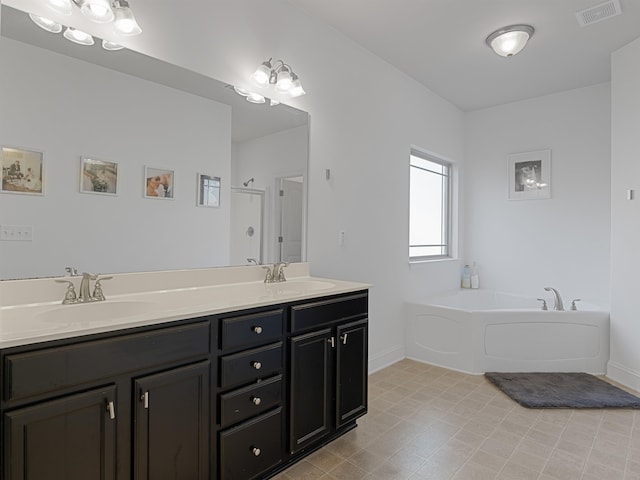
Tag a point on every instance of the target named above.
point(429, 207)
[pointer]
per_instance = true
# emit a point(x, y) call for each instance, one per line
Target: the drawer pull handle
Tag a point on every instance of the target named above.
point(256, 451)
point(256, 400)
point(112, 410)
point(144, 398)
point(257, 329)
point(343, 337)
point(257, 365)
point(332, 342)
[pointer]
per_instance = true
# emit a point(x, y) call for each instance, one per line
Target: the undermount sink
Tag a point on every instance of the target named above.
point(90, 313)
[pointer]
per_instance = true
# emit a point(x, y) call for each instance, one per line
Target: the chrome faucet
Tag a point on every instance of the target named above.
point(85, 295)
point(557, 299)
point(275, 274)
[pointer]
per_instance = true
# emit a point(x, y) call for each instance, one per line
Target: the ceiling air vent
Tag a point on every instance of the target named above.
point(599, 12)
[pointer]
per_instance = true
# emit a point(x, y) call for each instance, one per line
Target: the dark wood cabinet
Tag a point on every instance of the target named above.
point(72, 437)
point(240, 395)
point(171, 434)
point(328, 368)
point(311, 388)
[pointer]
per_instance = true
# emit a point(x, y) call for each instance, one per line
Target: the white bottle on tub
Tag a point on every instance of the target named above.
point(475, 278)
point(466, 277)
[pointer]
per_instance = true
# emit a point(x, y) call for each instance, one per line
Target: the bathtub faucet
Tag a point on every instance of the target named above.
point(557, 299)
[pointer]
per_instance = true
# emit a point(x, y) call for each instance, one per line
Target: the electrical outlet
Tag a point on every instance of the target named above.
point(16, 233)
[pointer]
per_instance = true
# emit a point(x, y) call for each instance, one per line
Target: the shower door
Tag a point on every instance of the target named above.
point(247, 213)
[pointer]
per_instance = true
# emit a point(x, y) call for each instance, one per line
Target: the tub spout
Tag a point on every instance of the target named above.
point(557, 299)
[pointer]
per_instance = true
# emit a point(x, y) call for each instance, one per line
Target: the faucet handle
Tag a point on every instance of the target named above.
point(70, 295)
point(98, 294)
point(573, 303)
point(544, 303)
point(269, 276)
point(71, 271)
point(280, 271)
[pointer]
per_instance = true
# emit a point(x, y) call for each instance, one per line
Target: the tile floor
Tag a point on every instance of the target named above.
point(426, 422)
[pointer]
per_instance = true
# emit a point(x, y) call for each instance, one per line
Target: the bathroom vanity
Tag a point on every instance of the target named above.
point(205, 389)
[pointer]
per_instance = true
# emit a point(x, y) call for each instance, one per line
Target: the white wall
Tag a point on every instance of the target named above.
point(522, 246)
point(625, 216)
point(365, 115)
point(76, 109)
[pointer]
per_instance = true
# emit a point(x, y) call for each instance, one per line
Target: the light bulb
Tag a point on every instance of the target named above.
point(63, 7)
point(98, 11)
point(509, 41)
point(241, 91)
point(262, 74)
point(284, 82)
point(296, 89)
point(125, 22)
point(46, 24)
point(255, 98)
point(111, 46)
point(78, 36)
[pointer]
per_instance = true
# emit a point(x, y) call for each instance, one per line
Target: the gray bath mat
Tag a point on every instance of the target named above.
point(562, 390)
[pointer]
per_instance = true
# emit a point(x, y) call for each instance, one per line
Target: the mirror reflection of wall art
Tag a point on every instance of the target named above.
point(98, 176)
point(208, 191)
point(22, 171)
point(158, 183)
point(529, 175)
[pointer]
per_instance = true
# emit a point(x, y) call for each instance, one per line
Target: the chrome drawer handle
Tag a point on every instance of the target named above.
point(256, 451)
point(257, 329)
point(256, 400)
point(257, 365)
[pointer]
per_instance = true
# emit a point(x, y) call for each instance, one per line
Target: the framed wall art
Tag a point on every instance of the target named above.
point(22, 171)
point(208, 191)
point(98, 176)
point(158, 183)
point(529, 175)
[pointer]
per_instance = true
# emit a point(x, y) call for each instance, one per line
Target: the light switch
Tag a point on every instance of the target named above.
point(630, 194)
point(16, 233)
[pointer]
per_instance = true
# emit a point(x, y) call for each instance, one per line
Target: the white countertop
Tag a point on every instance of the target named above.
point(43, 320)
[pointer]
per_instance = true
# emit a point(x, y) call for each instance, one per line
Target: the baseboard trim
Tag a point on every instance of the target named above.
point(626, 376)
point(386, 358)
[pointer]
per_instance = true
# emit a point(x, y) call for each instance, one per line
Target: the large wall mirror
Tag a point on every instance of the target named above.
point(97, 119)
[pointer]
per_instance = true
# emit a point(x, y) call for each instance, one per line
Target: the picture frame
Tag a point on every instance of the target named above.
point(99, 177)
point(22, 170)
point(208, 188)
point(158, 183)
point(529, 175)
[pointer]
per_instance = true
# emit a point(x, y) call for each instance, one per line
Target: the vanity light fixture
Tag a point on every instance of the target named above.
point(280, 75)
point(508, 41)
point(111, 46)
point(255, 98)
point(98, 11)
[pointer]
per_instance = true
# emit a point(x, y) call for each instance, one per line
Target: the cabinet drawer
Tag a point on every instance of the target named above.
point(317, 314)
point(252, 448)
point(51, 369)
point(247, 402)
point(249, 330)
point(250, 365)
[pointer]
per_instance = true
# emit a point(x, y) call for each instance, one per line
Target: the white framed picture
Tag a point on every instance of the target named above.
point(22, 171)
point(158, 183)
point(208, 191)
point(529, 175)
point(98, 176)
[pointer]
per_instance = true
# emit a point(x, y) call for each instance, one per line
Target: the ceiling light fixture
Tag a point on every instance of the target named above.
point(508, 41)
point(279, 74)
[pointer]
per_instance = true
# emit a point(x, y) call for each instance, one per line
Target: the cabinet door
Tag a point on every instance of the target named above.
point(351, 372)
point(172, 424)
point(311, 380)
point(71, 438)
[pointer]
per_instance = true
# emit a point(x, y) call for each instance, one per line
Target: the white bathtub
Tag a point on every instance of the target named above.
point(477, 331)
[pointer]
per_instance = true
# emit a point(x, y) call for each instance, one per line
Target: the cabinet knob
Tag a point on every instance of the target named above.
point(256, 400)
point(256, 451)
point(257, 329)
point(257, 365)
